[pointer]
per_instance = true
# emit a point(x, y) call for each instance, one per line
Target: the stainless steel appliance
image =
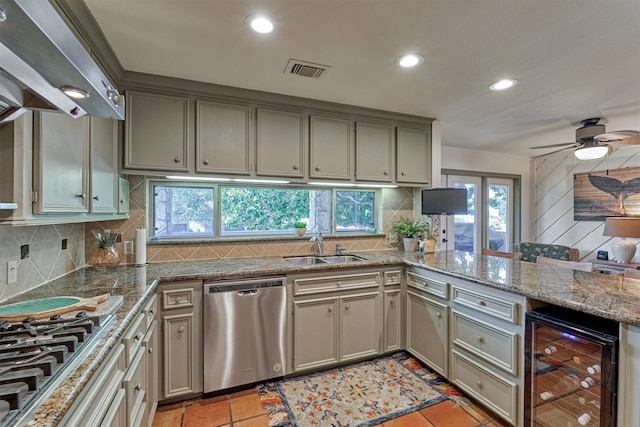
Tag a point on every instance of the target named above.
point(571, 369)
point(244, 331)
point(37, 355)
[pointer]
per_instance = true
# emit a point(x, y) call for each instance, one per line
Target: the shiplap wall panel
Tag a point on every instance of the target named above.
point(553, 182)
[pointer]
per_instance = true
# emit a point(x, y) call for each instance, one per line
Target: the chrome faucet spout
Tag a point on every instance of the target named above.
point(320, 243)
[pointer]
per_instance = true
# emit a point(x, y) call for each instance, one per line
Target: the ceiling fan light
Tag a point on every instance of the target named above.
point(593, 153)
point(503, 84)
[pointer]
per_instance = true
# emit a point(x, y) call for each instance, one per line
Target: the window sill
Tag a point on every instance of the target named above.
point(257, 239)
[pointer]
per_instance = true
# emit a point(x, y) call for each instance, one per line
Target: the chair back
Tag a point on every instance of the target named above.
point(632, 272)
point(575, 265)
point(530, 251)
point(509, 255)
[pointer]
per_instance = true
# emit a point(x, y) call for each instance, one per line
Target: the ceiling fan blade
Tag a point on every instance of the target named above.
point(616, 136)
point(633, 140)
point(557, 151)
point(566, 144)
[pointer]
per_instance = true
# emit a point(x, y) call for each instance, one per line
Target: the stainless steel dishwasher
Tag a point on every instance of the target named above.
point(244, 331)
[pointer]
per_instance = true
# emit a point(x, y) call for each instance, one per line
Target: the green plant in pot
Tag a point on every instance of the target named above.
point(410, 229)
point(300, 228)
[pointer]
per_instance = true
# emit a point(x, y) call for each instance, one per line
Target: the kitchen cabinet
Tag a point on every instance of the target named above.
point(330, 147)
point(60, 163)
point(413, 156)
point(336, 317)
point(150, 344)
point(156, 136)
point(224, 138)
point(393, 313)
point(181, 368)
point(282, 139)
point(428, 318)
point(104, 182)
point(374, 152)
point(629, 376)
point(123, 195)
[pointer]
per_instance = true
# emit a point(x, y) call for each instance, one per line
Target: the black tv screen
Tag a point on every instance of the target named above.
point(444, 201)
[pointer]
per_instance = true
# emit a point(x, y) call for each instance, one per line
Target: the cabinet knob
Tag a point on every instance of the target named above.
point(390, 300)
point(402, 173)
point(205, 161)
point(339, 282)
point(178, 300)
point(122, 202)
point(438, 315)
point(150, 350)
point(479, 383)
point(482, 303)
point(385, 173)
point(181, 329)
point(295, 168)
point(81, 196)
point(138, 387)
point(330, 309)
point(317, 168)
point(96, 198)
point(480, 339)
point(138, 337)
point(346, 306)
point(178, 159)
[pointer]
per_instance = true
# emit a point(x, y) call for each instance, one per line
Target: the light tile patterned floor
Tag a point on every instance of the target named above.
point(243, 409)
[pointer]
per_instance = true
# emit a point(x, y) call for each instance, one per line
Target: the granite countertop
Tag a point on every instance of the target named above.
point(603, 295)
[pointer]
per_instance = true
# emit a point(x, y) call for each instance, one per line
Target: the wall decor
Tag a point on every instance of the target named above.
point(597, 195)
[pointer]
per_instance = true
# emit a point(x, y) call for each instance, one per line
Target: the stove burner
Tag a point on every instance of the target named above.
point(32, 353)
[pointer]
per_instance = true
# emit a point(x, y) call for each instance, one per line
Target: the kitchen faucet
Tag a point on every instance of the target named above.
point(318, 239)
point(339, 249)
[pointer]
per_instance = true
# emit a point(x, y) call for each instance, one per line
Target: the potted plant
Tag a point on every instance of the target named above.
point(409, 229)
point(300, 228)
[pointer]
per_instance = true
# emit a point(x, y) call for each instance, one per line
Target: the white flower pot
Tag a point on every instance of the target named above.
point(300, 231)
point(410, 244)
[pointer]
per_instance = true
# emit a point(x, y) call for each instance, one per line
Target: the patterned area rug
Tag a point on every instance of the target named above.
point(363, 394)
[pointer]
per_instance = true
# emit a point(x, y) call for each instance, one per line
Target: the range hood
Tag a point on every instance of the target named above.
point(40, 57)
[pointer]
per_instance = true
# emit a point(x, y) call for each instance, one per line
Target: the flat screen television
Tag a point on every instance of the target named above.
point(444, 201)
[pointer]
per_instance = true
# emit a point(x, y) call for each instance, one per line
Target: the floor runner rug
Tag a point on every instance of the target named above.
point(362, 395)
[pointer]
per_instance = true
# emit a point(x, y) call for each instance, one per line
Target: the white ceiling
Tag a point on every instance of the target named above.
point(573, 59)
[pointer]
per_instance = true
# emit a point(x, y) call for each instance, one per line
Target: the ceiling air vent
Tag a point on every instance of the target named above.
point(306, 69)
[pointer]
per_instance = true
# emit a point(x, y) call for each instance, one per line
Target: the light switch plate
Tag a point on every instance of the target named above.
point(12, 272)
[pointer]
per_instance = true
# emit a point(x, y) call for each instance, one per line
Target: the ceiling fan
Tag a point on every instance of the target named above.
point(592, 140)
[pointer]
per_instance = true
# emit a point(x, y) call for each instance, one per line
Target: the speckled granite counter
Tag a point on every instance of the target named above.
point(602, 295)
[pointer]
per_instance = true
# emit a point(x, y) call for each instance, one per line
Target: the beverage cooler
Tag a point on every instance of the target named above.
point(571, 374)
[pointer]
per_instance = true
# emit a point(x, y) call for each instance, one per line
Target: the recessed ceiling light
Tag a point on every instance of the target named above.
point(410, 60)
point(74, 92)
point(260, 23)
point(503, 84)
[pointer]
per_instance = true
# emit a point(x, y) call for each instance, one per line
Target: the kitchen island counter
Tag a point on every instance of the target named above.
point(602, 295)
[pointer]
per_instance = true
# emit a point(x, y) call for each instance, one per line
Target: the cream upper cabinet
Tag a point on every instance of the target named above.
point(413, 156)
point(104, 164)
point(157, 132)
point(330, 142)
point(60, 163)
point(281, 143)
point(224, 141)
point(374, 152)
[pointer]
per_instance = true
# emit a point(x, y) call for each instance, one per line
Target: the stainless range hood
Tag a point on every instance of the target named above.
point(40, 56)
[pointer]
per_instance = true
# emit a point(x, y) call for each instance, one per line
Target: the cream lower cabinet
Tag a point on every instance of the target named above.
point(629, 376)
point(393, 311)
point(427, 318)
point(181, 369)
point(336, 317)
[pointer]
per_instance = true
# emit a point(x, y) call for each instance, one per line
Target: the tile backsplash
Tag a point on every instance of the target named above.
point(47, 259)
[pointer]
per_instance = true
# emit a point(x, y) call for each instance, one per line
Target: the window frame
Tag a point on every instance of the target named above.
point(253, 235)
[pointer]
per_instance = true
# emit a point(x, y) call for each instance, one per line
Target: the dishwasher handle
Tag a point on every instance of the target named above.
point(248, 293)
point(241, 285)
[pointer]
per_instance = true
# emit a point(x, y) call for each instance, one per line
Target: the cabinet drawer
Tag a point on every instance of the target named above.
point(313, 285)
point(493, 306)
point(495, 345)
point(498, 393)
point(149, 311)
point(427, 284)
point(132, 383)
point(177, 298)
point(132, 338)
point(117, 414)
point(392, 277)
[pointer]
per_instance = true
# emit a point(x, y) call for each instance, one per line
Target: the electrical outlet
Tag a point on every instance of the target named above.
point(12, 272)
point(128, 247)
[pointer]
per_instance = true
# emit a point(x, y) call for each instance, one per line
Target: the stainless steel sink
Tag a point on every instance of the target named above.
point(340, 259)
point(306, 260)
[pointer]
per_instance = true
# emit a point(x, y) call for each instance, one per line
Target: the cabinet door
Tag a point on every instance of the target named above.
point(413, 156)
point(156, 132)
point(392, 320)
point(123, 195)
point(360, 326)
point(374, 152)
point(223, 138)
point(330, 146)
point(150, 343)
point(117, 414)
point(315, 333)
point(427, 326)
point(104, 179)
point(282, 142)
point(179, 348)
point(61, 160)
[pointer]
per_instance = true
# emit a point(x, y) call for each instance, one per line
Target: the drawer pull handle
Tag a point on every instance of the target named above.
point(339, 282)
point(390, 300)
point(138, 337)
point(138, 387)
point(402, 173)
point(482, 303)
point(96, 197)
point(150, 350)
point(81, 196)
point(317, 168)
point(346, 307)
point(330, 309)
point(480, 340)
point(479, 383)
point(425, 284)
point(178, 159)
point(178, 300)
point(181, 329)
point(295, 167)
point(385, 173)
point(151, 312)
point(438, 315)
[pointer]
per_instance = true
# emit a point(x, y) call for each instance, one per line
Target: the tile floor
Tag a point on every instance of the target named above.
point(243, 409)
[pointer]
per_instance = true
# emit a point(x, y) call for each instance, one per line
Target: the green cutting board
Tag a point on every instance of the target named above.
point(47, 307)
